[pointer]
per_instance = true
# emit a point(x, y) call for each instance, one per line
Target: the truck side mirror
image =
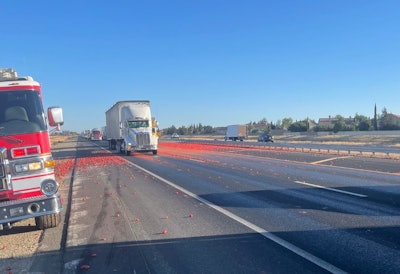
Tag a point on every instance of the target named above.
point(55, 116)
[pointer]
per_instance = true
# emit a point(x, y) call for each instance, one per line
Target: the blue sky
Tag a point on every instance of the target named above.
point(212, 62)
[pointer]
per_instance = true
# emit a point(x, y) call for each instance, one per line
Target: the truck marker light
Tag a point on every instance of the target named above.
point(49, 163)
point(25, 151)
point(85, 267)
point(32, 150)
point(16, 153)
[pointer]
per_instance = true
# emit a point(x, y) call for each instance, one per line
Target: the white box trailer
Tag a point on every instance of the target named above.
point(236, 132)
point(130, 127)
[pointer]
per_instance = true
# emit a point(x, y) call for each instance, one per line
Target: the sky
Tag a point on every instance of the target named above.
point(214, 62)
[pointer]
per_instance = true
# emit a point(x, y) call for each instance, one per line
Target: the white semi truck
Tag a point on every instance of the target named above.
point(130, 127)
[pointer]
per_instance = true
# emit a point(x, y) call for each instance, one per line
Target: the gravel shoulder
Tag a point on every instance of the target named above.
point(18, 246)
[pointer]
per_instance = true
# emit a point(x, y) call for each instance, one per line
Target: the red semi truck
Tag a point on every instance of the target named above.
point(28, 188)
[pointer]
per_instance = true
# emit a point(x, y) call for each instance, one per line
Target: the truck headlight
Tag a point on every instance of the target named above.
point(49, 187)
point(21, 168)
point(28, 167)
point(128, 146)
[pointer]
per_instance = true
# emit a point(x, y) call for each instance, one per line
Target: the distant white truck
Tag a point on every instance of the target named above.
point(130, 127)
point(96, 135)
point(236, 132)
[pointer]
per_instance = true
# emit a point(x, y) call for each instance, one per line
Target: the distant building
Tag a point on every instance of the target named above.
point(330, 122)
point(327, 122)
point(393, 119)
point(389, 122)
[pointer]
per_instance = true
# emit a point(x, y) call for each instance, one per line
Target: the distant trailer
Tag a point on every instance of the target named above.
point(236, 132)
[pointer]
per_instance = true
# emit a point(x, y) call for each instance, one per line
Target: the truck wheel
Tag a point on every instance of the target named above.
point(154, 152)
point(128, 153)
point(47, 221)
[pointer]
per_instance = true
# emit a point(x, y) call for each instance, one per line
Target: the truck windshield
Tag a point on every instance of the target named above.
point(21, 112)
point(138, 124)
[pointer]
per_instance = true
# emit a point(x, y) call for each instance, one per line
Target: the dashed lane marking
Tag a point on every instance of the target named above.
point(332, 189)
point(330, 159)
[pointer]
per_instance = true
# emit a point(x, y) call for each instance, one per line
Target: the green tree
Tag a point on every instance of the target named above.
point(263, 121)
point(286, 122)
point(254, 131)
point(170, 130)
point(300, 126)
point(319, 128)
point(339, 126)
point(362, 123)
point(208, 130)
point(182, 130)
point(342, 125)
point(200, 128)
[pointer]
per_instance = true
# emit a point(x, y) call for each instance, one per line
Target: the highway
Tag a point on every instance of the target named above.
point(203, 208)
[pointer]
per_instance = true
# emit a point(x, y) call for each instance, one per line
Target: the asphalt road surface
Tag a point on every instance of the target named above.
point(214, 209)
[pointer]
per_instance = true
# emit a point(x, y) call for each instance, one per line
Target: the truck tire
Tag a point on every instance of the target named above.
point(154, 152)
point(47, 221)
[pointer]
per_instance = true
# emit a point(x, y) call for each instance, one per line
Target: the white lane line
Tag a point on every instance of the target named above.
point(331, 159)
point(196, 160)
point(302, 253)
point(332, 189)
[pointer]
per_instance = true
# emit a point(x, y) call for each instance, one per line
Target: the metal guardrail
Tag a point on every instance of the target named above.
point(364, 152)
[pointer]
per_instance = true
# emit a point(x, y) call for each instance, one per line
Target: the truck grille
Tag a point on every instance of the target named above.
point(3, 181)
point(3, 158)
point(143, 139)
